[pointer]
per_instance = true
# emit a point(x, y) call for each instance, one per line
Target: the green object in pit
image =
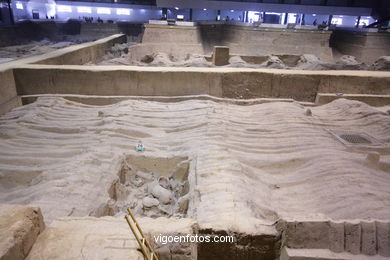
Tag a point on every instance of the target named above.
point(140, 148)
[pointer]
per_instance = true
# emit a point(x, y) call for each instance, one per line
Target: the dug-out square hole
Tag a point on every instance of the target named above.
point(150, 186)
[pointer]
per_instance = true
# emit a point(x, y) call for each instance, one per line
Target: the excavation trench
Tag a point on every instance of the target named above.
point(164, 187)
point(151, 187)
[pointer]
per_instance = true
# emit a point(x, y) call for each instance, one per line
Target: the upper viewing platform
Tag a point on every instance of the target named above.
point(274, 13)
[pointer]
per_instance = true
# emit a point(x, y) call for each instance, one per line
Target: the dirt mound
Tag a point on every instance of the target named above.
point(164, 59)
point(274, 62)
point(346, 62)
point(120, 54)
point(383, 63)
point(33, 48)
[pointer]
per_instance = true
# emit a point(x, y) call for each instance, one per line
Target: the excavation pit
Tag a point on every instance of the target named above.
point(150, 186)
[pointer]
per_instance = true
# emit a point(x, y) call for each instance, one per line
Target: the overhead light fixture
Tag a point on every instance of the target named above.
point(122, 11)
point(103, 10)
point(314, 15)
point(232, 11)
point(177, 8)
point(19, 6)
point(204, 9)
point(64, 8)
point(84, 9)
point(292, 18)
point(337, 21)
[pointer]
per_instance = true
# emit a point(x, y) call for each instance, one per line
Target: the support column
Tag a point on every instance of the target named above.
point(330, 20)
point(218, 18)
point(190, 14)
point(165, 13)
point(358, 21)
point(285, 19)
point(11, 14)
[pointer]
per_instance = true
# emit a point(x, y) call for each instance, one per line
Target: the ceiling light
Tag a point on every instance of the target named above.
point(19, 6)
point(84, 9)
point(64, 8)
point(103, 10)
point(121, 11)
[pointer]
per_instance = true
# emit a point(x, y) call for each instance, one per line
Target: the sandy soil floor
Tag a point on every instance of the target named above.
point(15, 52)
point(121, 54)
point(251, 165)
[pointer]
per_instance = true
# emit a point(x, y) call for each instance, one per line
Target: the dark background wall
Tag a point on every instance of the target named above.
point(32, 31)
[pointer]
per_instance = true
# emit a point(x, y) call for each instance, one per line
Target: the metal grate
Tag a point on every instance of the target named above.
point(355, 139)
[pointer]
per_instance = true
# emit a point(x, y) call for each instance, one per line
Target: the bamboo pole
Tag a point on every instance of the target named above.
point(153, 255)
point(143, 250)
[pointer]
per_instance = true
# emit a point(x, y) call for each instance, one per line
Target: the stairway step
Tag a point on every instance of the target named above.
point(323, 254)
